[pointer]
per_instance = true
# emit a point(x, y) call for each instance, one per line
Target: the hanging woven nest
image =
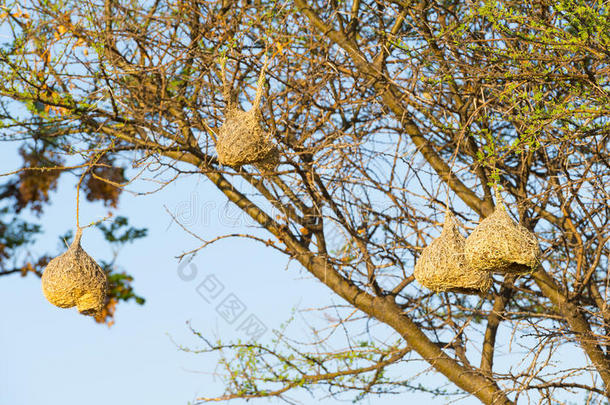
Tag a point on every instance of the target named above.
point(442, 265)
point(75, 279)
point(500, 245)
point(241, 139)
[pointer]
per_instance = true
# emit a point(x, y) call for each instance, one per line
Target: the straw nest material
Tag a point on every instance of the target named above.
point(241, 139)
point(500, 245)
point(75, 279)
point(442, 265)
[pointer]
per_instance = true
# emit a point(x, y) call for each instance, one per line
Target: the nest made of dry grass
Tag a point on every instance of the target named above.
point(442, 265)
point(241, 140)
point(500, 245)
point(75, 279)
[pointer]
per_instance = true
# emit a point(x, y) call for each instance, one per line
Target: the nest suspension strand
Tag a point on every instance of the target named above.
point(241, 139)
point(442, 265)
point(75, 279)
point(500, 245)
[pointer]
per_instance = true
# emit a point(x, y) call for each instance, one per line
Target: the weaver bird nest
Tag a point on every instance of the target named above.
point(75, 279)
point(241, 139)
point(500, 245)
point(442, 265)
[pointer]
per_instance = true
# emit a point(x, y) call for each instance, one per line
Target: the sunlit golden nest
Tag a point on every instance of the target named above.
point(75, 279)
point(241, 139)
point(500, 245)
point(442, 265)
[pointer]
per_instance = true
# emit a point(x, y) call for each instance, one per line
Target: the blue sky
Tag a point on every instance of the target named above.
point(58, 357)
